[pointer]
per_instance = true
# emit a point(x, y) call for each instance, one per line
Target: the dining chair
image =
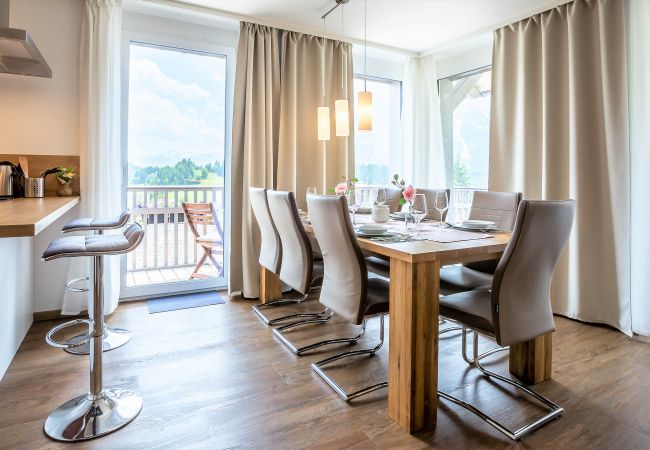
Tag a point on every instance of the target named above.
point(346, 291)
point(270, 247)
point(517, 306)
point(299, 269)
point(498, 207)
point(381, 266)
point(204, 215)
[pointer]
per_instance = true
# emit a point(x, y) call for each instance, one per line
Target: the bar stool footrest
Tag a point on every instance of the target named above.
point(70, 285)
point(58, 344)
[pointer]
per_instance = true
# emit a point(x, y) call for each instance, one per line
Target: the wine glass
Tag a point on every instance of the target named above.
point(441, 203)
point(354, 202)
point(381, 196)
point(418, 210)
point(311, 190)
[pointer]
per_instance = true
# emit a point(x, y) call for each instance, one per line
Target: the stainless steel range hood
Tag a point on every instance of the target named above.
point(18, 52)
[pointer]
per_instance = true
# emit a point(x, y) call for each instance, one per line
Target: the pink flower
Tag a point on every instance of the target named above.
point(408, 193)
point(341, 188)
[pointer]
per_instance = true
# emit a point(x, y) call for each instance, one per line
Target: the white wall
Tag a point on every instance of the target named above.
point(464, 61)
point(16, 296)
point(41, 115)
point(381, 63)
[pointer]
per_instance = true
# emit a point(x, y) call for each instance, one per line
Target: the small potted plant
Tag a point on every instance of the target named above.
point(64, 176)
point(346, 185)
point(408, 191)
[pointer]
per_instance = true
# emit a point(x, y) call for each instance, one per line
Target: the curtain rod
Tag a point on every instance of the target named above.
point(197, 9)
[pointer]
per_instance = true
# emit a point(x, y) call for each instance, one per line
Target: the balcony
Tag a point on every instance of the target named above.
point(169, 252)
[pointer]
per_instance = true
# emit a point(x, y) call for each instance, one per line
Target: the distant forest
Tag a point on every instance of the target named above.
point(184, 172)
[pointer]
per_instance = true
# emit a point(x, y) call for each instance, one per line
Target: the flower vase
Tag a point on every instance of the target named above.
point(65, 190)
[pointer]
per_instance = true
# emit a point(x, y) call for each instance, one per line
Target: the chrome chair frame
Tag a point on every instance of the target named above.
point(460, 327)
point(283, 302)
point(323, 318)
point(317, 366)
point(515, 435)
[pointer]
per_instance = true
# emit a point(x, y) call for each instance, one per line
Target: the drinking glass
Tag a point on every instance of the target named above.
point(354, 202)
point(441, 203)
point(311, 190)
point(418, 210)
point(381, 196)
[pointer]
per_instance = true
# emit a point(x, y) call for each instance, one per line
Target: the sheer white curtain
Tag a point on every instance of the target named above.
point(101, 172)
point(423, 159)
point(638, 50)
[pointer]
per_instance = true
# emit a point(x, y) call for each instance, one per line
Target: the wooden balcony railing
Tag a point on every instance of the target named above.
point(168, 242)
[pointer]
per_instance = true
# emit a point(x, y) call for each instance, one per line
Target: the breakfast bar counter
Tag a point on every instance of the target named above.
point(22, 217)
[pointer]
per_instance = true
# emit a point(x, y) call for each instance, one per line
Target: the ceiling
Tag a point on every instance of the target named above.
point(417, 26)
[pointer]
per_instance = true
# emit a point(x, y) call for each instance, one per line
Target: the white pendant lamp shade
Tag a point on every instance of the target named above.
point(342, 118)
point(323, 123)
point(365, 111)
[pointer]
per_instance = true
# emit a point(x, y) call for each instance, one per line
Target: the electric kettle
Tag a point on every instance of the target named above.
point(7, 172)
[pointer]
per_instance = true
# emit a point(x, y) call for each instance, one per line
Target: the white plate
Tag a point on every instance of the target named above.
point(364, 210)
point(369, 227)
point(477, 224)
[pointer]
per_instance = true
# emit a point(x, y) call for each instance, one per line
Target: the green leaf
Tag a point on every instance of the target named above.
point(356, 180)
point(396, 177)
point(402, 201)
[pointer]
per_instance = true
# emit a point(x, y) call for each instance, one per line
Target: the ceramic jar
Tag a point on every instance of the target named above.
point(380, 213)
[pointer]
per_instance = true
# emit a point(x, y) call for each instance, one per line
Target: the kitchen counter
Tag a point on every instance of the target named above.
point(21, 217)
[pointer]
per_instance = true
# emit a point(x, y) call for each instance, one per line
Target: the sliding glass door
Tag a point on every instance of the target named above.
point(175, 151)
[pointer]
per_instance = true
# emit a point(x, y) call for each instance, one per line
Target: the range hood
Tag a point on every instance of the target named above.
point(18, 53)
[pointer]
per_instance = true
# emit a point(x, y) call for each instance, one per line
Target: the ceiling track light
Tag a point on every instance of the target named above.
point(341, 108)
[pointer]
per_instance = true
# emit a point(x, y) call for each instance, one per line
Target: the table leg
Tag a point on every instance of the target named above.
point(270, 286)
point(531, 361)
point(413, 352)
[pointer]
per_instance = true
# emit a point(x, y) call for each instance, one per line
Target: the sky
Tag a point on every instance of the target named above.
point(176, 106)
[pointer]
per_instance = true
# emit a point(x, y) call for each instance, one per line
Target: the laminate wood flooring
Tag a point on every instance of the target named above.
point(216, 377)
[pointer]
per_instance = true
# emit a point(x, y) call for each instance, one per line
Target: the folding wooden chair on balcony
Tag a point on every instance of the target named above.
point(201, 216)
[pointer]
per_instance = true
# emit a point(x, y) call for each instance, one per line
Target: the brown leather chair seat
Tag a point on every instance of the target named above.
point(472, 308)
point(377, 296)
point(378, 266)
point(455, 279)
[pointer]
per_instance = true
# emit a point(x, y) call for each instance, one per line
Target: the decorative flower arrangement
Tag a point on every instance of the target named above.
point(408, 191)
point(65, 175)
point(344, 186)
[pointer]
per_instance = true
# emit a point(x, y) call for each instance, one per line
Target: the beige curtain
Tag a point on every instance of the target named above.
point(300, 156)
point(559, 129)
point(278, 87)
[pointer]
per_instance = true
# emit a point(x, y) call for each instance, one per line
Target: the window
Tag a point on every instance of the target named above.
point(376, 151)
point(465, 116)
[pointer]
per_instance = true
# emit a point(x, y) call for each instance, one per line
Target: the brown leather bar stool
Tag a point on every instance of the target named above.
point(100, 411)
point(114, 337)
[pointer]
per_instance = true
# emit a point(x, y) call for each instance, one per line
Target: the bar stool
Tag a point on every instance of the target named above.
point(113, 337)
point(100, 411)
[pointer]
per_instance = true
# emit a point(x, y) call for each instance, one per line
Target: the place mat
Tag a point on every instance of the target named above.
point(428, 233)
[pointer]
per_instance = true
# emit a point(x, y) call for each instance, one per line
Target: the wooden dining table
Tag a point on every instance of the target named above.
point(414, 304)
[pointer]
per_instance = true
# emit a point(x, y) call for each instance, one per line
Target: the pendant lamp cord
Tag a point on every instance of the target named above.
point(365, 45)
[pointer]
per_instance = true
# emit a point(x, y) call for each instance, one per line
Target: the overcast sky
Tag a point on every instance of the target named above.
point(176, 106)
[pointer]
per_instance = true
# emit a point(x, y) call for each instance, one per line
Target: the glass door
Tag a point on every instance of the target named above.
point(175, 152)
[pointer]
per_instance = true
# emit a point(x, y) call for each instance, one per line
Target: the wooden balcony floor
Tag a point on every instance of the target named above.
point(174, 275)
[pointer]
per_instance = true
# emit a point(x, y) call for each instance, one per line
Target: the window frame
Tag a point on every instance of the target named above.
point(167, 38)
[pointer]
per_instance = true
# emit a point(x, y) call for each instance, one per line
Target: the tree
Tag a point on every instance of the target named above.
point(461, 175)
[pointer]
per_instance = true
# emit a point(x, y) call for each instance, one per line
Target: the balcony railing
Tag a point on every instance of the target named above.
point(168, 242)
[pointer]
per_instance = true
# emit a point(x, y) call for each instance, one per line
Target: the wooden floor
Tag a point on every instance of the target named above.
point(173, 275)
point(215, 377)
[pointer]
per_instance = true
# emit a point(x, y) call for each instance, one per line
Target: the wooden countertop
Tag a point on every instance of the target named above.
point(29, 216)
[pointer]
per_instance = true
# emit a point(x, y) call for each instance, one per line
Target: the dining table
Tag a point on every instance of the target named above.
point(415, 262)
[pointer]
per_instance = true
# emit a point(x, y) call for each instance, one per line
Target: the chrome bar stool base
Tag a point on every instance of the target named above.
point(86, 418)
point(113, 338)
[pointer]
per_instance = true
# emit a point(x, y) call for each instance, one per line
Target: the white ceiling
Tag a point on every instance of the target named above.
point(414, 25)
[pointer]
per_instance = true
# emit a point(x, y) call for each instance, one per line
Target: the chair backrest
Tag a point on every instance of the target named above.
point(430, 195)
point(499, 207)
point(201, 215)
point(297, 257)
point(392, 199)
point(345, 279)
point(521, 289)
point(270, 248)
